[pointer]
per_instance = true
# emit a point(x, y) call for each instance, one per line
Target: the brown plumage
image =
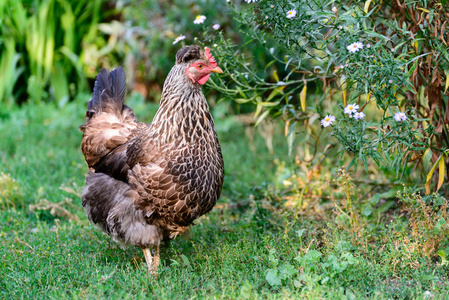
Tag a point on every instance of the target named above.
point(149, 182)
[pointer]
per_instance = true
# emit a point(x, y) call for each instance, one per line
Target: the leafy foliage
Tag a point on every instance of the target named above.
point(312, 66)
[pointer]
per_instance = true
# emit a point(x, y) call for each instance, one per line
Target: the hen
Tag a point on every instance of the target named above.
point(148, 182)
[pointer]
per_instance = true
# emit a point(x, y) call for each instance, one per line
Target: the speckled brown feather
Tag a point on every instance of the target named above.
point(151, 181)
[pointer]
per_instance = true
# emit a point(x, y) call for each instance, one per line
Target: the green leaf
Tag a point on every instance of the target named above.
point(240, 91)
point(312, 257)
point(242, 100)
point(442, 253)
point(297, 283)
point(287, 270)
point(350, 259)
point(275, 92)
point(376, 35)
point(430, 174)
point(269, 64)
point(268, 104)
point(300, 232)
point(291, 138)
point(185, 261)
point(368, 210)
point(441, 222)
point(262, 116)
point(353, 162)
point(273, 278)
point(175, 263)
point(246, 290)
point(375, 199)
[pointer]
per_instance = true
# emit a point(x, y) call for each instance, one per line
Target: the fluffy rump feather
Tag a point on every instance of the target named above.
point(109, 203)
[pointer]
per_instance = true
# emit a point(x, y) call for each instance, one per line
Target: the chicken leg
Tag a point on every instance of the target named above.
point(157, 257)
point(152, 262)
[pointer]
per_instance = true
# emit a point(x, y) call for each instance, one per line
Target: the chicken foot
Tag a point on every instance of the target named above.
point(152, 262)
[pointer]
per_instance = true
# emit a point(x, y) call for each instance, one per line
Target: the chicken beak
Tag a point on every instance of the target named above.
point(217, 70)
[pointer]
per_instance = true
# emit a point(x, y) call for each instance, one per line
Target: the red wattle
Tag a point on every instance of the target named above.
point(203, 79)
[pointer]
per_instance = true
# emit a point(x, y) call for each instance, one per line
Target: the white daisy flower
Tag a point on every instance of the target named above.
point(179, 38)
point(359, 115)
point(291, 14)
point(199, 19)
point(351, 109)
point(216, 26)
point(354, 47)
point(400, 116)
point(327, 120)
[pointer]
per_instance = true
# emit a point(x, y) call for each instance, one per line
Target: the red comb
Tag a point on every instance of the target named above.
point(212, 60)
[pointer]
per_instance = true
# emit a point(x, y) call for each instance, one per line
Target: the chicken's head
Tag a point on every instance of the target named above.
point(199, 63)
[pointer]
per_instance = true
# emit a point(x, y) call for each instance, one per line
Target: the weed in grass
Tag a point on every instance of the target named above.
point(345, 210)
point(304, 187)
point(9, 192)
point(56, 209)
point(428, 222)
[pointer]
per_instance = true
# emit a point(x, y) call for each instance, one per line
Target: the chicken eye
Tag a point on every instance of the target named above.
point(200, 66)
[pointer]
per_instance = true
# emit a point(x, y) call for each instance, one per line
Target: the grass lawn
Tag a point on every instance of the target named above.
point(248, 247)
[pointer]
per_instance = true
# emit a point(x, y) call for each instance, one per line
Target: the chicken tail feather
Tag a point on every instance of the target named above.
point(109, 93)
point(109, 123)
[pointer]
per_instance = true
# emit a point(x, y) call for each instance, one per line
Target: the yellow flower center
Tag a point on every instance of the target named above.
point(350, 107)
point(198, 17)
point(328, 119)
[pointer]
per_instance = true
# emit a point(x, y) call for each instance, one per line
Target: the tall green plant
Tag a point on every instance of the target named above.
point(9, 70)
point(49, 38)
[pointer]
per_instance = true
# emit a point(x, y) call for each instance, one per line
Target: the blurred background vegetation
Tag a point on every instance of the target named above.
point(51, 50)
point(296, 72)
point(281, 76)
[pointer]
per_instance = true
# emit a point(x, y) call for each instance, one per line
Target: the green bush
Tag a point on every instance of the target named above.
point(386, 60)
